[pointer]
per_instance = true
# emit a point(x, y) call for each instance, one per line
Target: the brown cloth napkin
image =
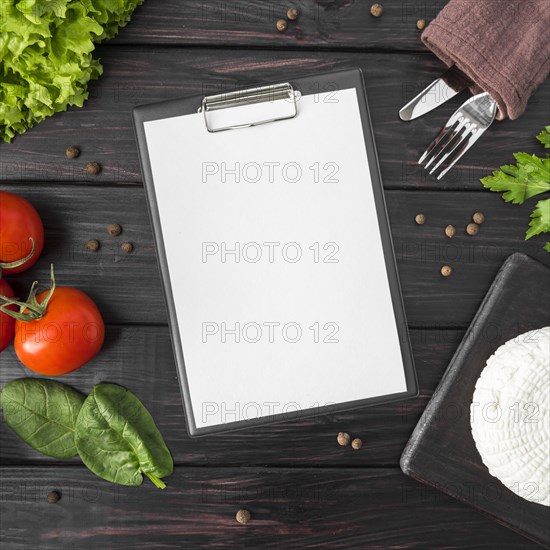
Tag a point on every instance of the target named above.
point(503, 46)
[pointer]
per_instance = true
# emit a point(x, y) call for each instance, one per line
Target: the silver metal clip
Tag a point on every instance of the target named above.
point(282, 99)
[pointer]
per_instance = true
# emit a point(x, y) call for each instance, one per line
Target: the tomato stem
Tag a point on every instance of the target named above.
point(18, 263)
point(158, 482)
point(30, 310)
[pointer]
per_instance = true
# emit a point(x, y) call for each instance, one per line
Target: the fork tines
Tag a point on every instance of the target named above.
point(462, 130)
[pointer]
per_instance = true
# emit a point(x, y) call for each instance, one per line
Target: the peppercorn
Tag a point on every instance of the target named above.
point(281, 25)
point(292, 14)
point(114, 229)
point(420, 24)
point(450, 231)
point(53, 497)
point(478, 218)
point(92, 245)
point(376, 10)
point(343, 439)
point(446, 270)
point(243, 516)
point(420, 219)
point(127, 247)
point(72, 152)
point(356, 444)
point(472, 229)
point(93, 168)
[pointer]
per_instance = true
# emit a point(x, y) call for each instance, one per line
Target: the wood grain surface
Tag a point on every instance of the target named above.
point(295, 508)
point(140, 358)
point(134, 76)
point(127, 289)
point(322, 24)
point(304, 491)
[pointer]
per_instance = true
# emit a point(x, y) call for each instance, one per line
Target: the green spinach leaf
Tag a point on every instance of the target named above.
point(118, 440)
point(43, 413)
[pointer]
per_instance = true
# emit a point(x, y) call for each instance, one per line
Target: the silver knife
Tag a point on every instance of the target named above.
point(449, 84)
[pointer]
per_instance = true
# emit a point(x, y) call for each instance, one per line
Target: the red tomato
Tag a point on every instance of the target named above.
point(70, 333)
point(20, 225)
point(7, 323)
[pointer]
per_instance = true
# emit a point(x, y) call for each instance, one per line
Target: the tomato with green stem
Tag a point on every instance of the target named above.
point(21, 234)
point(57, 330)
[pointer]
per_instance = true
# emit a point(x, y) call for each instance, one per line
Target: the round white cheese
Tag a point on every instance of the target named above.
point(510, 415)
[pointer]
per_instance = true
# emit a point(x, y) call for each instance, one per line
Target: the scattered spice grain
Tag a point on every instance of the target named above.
point(93, 168)
point(127, 247)
point(376, 10)
point(450, 231)
point(243, 516)
point(472, 229)
point(446, 270)
point(292, 14)
point(420, 219)
point(343, 439)
point(478, 218)
point(72, 152)
point(420, 24)
point(92, 245)
point(114, 229)
point(53, 497)
point(356, 444)
point(281, 25)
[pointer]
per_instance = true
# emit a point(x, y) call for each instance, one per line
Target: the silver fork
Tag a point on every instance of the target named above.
point(462, 130)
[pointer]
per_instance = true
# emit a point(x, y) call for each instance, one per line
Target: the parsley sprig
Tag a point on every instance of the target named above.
point(530, 176)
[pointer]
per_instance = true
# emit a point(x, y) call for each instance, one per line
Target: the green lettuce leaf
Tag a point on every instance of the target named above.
point(519, 182)
point(540, 219)
point(46, 61)
point(544, 137)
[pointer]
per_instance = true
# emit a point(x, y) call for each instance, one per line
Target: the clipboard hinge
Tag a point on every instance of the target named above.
point(281, 96)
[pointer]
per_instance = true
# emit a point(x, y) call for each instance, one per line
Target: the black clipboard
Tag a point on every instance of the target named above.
point(328, 82)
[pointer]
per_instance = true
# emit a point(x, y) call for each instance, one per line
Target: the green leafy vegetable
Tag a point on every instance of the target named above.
point(43, 413)
point(46, 55)
point(540, 219)
point(118, 440)
point(544, 137)
point(530, 176)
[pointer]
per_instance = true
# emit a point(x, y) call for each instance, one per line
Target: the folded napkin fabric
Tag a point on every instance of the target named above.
point(503, 46)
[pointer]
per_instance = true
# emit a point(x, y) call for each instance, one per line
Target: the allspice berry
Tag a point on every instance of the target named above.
point(93, 168)
point(114, 229)
point(127, 247)
point(450, 231)
point(343, 439)
point(356, 444)
point(243, 516)
point(376, 10)
point(72, 152)
point(420, 24)
point(292, 14)
point(281, 25)
point(446, 270)
point(92, 245)
point(478, 218)
point(420, 219)
point(472, 229)
point(53, 497)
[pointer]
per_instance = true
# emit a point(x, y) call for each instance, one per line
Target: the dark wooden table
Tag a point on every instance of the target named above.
point(304, 491)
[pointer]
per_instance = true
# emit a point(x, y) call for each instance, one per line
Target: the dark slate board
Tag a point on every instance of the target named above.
point(441, 451)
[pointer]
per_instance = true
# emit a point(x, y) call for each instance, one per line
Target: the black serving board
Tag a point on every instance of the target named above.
point(441, 451)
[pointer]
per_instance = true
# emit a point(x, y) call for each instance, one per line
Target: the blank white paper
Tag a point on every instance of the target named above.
point(276, 262)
